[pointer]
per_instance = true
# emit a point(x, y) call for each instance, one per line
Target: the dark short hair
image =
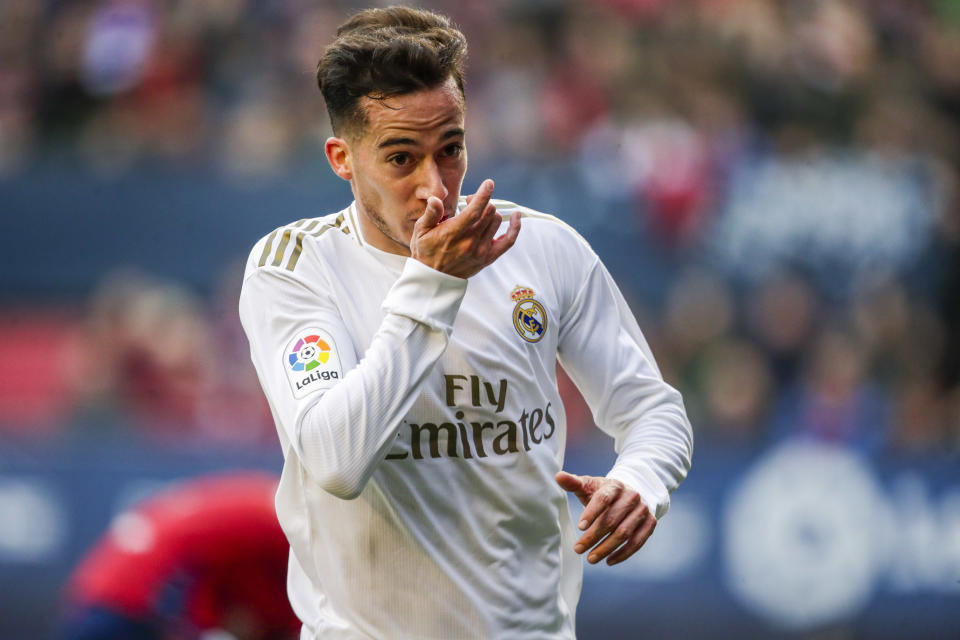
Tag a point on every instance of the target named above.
point(379, 53)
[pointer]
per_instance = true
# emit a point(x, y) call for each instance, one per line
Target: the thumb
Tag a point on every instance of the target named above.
point(431, 216)
point(569, 482)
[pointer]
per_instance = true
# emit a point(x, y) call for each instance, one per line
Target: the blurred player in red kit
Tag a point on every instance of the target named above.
point(205, 559)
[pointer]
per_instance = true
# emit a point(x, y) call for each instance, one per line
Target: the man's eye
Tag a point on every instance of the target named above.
point(453, 150)
point(399, 160)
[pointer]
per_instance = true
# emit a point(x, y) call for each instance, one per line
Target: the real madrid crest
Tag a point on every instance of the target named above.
point(529, 316)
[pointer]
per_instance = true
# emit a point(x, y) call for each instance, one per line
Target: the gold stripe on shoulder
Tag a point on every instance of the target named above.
point(266, 248)
point(281, 248)
point(297, 249)
point(286, 233)
point(314, 227)
point(353, 223)
point(325, 226)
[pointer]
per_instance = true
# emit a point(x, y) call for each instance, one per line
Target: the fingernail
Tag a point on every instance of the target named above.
point(592, 559)
point(582, 525)
point(578, 548)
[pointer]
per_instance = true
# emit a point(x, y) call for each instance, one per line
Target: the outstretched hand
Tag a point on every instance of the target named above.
point(613, 510)
point(464, 244)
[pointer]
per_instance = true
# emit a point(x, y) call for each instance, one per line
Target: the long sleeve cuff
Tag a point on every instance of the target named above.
point(644, 481)
point(426, 295)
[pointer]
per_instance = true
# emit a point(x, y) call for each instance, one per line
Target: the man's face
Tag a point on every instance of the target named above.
point(411, 148)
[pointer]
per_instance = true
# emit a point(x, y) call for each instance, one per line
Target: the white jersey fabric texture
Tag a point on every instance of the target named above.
point(422, 428)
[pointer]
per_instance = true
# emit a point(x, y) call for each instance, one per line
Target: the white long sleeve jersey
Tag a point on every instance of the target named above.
point(422, 427)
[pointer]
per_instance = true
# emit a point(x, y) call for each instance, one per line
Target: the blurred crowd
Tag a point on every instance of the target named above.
point(795, 163)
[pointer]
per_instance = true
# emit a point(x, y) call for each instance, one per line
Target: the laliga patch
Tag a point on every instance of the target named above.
point(312, 362)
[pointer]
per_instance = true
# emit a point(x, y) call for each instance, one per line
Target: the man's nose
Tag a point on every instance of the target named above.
point(431, 182)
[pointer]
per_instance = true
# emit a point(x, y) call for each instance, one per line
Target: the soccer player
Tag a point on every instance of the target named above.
point(205, 557)
point(408, 345)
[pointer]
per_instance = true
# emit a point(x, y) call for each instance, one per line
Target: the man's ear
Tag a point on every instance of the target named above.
point(338, 155)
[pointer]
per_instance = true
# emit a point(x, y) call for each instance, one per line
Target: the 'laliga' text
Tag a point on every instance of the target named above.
point(316, 376)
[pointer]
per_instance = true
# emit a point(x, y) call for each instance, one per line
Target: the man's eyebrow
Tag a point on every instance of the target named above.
point(399, 141)
point(393, 142)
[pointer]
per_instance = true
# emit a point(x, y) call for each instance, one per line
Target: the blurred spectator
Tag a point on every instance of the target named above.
point(902, 333)
point(835, 402)
point(149, 338)
point(699, 310)
point(118, 43)
point(19, 22)
point(921, 418)
point(736, 387)
point(782, 315)
point(159, 360)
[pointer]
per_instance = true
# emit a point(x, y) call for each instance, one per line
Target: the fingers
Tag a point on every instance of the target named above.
point(505, 241)
point(487, 226)
point(476, 204)
point(568, 481)
point(620, 534)
point(617, 517)
point(637, 540)
point(483, 232)
point(601, 499)
point(431, 216)
point(578, 485)
point(574, 484)
point(466, 243)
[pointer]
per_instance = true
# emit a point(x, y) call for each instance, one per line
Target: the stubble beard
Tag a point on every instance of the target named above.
point(381, 224)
